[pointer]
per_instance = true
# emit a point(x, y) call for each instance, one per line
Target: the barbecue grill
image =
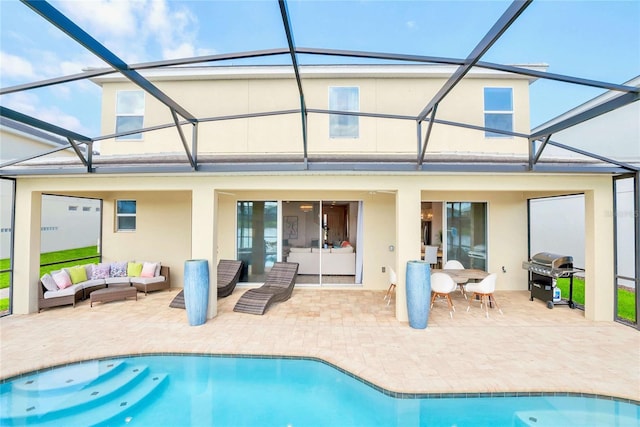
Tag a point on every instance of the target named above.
point(544, 270)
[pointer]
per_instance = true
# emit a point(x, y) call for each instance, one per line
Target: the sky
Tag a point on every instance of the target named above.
point(598, 40)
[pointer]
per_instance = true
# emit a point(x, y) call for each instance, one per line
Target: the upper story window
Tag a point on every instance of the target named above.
point(125, 215)
point(344, 99)
point(129, 113)
point(498, 110)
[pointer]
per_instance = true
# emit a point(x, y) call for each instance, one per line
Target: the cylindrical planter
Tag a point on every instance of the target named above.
point(196, 290)
point(418, 281)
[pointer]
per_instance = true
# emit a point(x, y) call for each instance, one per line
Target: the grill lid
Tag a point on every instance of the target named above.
point(550, 265)
point(552, 260)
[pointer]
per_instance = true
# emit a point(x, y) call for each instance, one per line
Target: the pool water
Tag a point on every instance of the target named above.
point(198, 390)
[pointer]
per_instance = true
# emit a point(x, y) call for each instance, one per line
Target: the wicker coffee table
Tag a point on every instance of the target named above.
point(115, 293)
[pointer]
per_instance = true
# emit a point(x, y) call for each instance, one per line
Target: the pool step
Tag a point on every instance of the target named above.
point(97, 402)
point(72, 377)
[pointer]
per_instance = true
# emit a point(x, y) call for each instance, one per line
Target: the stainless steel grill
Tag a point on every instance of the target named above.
point(544, 269)
point(550, 265)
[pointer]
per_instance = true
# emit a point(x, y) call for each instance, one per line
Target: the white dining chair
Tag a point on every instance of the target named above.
point(441, 287)
point(484, 291)
point(454, 264)
point(393, 281)
point(431, 255)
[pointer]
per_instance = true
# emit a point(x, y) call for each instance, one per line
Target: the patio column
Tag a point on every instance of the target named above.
point(407, 241)
point(202, 238)
point(26, 268)
point(599, 260)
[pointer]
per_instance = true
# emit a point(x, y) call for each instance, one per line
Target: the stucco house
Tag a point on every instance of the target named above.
point(347, 169)
point(255, 196)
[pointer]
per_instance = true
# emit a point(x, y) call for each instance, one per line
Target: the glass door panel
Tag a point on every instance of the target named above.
point(302, 238)
point(257, 238)
point(467, 233)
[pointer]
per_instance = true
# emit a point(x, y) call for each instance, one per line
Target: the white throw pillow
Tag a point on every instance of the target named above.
point(49, 283)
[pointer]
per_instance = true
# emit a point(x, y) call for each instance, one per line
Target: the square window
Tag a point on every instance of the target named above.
point(498, 99)
point(498, 121)
point(126, 215)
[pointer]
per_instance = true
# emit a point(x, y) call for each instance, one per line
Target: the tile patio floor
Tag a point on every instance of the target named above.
point(529, 348)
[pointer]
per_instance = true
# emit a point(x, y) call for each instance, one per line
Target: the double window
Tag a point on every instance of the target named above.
point(129, 113)
point(125, 215)
point(344, 99)
point(498, 111)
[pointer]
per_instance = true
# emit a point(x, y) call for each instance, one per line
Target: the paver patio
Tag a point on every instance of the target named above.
point(529, 348)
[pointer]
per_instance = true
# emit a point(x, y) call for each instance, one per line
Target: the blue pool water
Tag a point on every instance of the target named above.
point(181, 390)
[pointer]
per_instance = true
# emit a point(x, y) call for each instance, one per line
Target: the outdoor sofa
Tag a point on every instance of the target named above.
point(69, 285)
point(335, 261)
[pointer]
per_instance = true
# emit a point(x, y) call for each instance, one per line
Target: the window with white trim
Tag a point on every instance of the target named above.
point(129, 113)
point(344, 99)
point(498, 111)
point(125, 215)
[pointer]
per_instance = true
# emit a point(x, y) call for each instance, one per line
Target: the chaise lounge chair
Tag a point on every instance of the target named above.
point(228, 275)
point(277, 287)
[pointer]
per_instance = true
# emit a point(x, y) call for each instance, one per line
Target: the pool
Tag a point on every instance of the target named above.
point(203, 390)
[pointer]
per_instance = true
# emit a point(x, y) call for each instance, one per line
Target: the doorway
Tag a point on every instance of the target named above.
point(322, 237)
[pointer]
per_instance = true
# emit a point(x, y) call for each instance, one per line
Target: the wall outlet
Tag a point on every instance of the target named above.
point(384, 269)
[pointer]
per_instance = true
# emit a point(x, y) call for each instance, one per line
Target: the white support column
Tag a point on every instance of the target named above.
point(203, 244)
point(599, 280)
point(407, 241)
point(26, 261)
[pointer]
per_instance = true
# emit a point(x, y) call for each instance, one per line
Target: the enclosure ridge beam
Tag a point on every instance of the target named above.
point(501, 25)
point(607, 106)
point(294, 60)
point(37, 123)
point(58, 19)
point(595, 156)
point(496, 31)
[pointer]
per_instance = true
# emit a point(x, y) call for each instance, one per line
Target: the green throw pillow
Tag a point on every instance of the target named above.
point(78, 274)
point(134, 269)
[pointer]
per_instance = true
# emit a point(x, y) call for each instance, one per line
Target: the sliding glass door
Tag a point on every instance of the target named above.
point(467, 233)
point(302, 238)
point(323, 237)
point(257, 238)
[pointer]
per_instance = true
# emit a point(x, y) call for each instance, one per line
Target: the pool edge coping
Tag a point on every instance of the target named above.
point(380, 389)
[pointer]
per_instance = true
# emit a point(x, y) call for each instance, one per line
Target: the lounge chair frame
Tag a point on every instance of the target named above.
point(277, 287)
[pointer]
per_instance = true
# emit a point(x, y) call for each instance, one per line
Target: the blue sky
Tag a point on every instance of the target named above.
point(592, 39)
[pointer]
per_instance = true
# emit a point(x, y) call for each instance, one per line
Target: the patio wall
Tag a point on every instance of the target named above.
point(193, 216)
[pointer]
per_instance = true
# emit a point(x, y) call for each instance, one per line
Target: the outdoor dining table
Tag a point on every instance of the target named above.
point(464, 275)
